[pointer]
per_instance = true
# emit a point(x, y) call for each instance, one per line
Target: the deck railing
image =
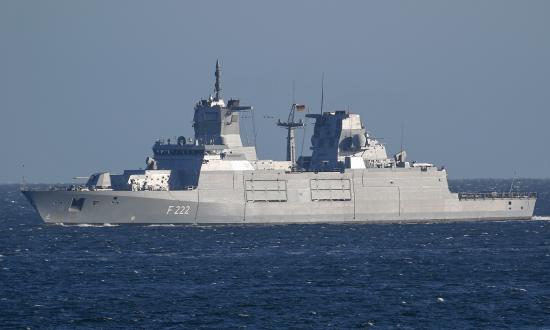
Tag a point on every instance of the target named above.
point(497, 195)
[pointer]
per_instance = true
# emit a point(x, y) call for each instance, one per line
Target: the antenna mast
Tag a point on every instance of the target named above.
point(23, 181)
point(402, 135)
point(322, 91)
point(217, 86)
point(291, 126)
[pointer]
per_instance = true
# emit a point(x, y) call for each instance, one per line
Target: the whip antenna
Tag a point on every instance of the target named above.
point(293, 91)
point(402, 134)
point(23, 181)
point(322, 91)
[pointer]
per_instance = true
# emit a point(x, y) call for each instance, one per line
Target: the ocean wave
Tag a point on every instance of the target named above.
point(541, 217)
point(86, 224)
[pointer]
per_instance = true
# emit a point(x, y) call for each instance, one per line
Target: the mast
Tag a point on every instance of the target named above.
point(217, 86)
point(291, 126)
point(322, 92)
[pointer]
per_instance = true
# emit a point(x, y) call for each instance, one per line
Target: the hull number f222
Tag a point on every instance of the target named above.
point(178, 209)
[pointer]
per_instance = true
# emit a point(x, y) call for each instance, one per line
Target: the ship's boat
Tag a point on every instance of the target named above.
point(214, 178)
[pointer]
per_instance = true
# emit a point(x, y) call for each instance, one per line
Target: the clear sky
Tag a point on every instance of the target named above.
point(89, 85)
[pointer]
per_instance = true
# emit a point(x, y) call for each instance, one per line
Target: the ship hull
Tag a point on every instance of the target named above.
point(271, 197)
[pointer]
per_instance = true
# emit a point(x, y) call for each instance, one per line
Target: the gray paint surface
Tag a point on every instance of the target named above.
point(410, 195)
point(212, 178)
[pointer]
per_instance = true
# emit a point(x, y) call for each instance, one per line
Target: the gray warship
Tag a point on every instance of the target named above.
point(214, 178)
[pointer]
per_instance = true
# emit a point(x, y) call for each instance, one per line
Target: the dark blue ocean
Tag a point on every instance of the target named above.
point(414, 276)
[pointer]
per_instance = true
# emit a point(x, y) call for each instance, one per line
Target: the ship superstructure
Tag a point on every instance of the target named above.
point(213, 178)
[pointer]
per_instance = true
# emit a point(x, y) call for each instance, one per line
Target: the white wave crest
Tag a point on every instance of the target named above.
point(541, 217)
point(85, 224)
